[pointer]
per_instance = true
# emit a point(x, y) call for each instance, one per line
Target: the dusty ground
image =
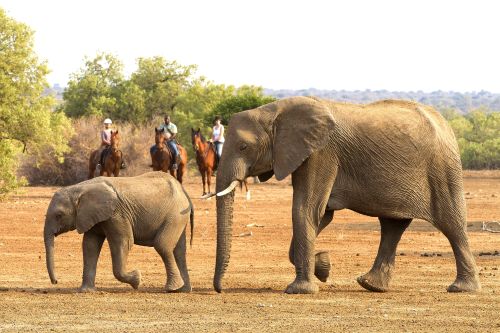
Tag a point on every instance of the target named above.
point(258, 273)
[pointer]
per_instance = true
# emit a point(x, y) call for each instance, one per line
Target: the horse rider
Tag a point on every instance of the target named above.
point(170, 132)
point(105, 140)
point(106, 143)
point(218, 136)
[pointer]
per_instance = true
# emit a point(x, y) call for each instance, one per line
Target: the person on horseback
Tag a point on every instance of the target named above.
point(105, 140)
point(218, 136)
point(170, 131)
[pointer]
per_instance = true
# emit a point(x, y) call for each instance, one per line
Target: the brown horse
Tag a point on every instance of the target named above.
point(113, 159)
point(205, 157)
point(162, 157)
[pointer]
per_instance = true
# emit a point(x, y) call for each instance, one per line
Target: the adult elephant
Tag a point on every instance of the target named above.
point(150, 210)
point(394, 160)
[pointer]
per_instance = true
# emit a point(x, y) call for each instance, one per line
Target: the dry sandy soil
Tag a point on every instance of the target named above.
point(258, 273)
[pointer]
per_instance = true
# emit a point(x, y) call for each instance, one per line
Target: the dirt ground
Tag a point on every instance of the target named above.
point(253, 299)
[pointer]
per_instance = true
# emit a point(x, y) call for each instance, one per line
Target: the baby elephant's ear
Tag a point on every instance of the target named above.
point(95, 203)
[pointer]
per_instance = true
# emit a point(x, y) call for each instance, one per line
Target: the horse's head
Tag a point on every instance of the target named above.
point(196, 139)
point(115, 140)
point(160, 138)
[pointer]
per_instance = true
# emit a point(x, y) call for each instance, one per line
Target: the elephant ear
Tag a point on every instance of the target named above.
point(95, 203)
point(266, 176)
point(303, 126)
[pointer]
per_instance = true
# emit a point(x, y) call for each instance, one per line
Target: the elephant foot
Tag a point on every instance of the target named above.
point(465, 285)
point(302, 287)
point(86, 289)
point(322, 266)
point(183, 289)
point(175, 284)
point(374, 282)
point(135, 281)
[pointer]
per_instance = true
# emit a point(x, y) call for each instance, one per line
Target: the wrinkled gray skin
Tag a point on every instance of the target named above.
point(394, 160)
point(150, 210)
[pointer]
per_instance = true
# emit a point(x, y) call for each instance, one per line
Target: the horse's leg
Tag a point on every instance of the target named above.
point(180, 171)
point(91, 165)
point(116, 171)
point(209, 178)
point(203, 180)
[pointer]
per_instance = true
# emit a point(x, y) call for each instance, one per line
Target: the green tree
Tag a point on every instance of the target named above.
point(163, 82)
point(478, 136)
point(244, 98)
point(94, 88)
point(27, 123)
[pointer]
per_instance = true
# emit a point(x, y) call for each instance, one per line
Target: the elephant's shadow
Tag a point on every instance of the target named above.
point(146, 290)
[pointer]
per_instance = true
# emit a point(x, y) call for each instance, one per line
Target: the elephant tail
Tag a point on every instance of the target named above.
point(191, 220)
point(191, 216)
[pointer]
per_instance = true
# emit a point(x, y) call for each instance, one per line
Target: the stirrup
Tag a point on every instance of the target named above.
point(174, 166)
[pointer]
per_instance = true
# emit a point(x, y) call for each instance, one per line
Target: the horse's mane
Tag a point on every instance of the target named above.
point(202, 138)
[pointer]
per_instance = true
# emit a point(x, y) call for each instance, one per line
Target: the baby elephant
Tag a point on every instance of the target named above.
point(150, 210)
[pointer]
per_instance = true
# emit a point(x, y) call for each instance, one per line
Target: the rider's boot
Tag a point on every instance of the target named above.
point(176, 162)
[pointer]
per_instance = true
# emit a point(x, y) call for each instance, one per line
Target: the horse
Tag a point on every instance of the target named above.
point(112, 160)
point(162, 157)
point(206, 157)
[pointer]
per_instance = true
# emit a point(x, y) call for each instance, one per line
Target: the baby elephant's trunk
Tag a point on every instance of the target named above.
point(49, 254)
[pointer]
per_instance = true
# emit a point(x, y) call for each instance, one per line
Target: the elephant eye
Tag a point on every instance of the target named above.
point(243, 146)
point(58, 216)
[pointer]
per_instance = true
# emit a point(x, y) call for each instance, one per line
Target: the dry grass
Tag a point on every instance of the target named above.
point(135, 144)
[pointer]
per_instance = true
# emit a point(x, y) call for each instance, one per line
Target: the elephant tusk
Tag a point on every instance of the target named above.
point(207, 196)
point(248, 194)
point(229, 189)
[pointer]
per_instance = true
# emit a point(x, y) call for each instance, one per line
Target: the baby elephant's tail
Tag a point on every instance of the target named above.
point(191, 220)
point(191, 216)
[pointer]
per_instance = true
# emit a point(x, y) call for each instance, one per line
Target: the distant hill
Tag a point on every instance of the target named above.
point(56, 90)
point(463, 102)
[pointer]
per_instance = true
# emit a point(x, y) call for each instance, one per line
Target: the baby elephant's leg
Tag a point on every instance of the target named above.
point(165, 242)
point(180, 259)
point(120, 248)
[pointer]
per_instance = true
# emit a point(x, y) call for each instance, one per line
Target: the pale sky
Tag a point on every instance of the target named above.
point(394, 45)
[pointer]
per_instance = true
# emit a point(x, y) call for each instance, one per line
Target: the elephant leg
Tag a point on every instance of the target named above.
point(378, 278)
point(120, 247)
point(91, 246)
point(165, 242)
point(312, 184)
point(322, 264)
point(180, 259)
point(467, 279)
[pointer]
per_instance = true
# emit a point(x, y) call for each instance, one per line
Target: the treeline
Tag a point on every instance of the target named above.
point(478, 136)
point(158, 87)
point(462, 102)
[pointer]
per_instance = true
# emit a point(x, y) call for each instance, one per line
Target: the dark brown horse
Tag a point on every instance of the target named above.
point(112, 160)
point(162, 157)
point(205, 157)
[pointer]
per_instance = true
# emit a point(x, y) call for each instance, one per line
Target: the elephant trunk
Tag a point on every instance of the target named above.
point(49, 254)
point(224, 237)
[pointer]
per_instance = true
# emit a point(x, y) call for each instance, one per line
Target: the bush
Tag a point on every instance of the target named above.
point(73, 168)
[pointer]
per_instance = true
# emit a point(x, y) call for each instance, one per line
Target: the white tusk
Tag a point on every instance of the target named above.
point(229, 189)
point(207, 196)
point(248, 195)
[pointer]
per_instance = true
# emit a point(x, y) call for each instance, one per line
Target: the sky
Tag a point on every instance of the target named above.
point(351, 45)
